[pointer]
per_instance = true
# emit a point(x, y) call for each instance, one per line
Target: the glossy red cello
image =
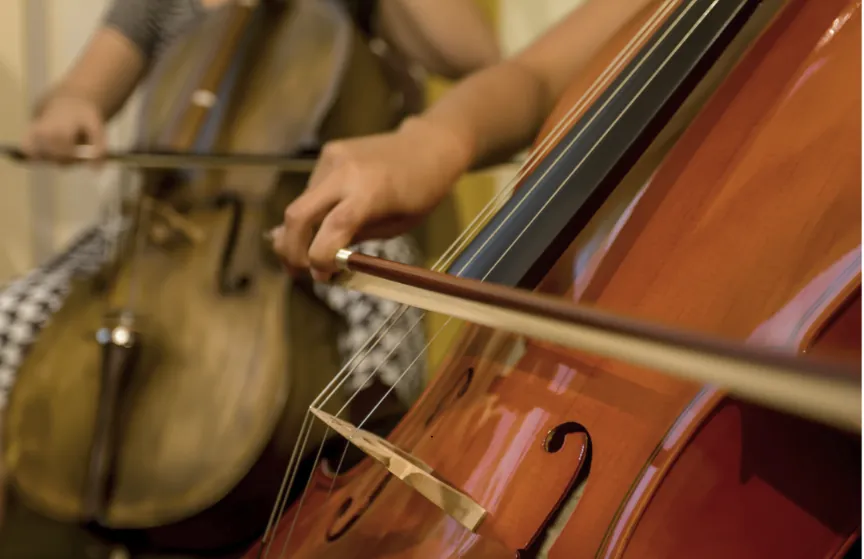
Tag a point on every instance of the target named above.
point(747, 231)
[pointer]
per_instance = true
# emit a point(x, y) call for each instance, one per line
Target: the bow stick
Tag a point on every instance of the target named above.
point(824, 391)
point(175, 160)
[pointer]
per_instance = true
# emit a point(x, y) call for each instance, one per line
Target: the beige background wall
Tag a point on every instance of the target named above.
point(77, 194)
point(41, 209)
point(14, 199)
point(521, 20)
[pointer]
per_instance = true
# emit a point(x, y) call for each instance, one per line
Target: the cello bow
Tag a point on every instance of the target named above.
point(178, 159)
point(820, 390)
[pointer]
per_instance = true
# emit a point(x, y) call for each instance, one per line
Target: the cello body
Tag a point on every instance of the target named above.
point(200, 414)
point(740, 218)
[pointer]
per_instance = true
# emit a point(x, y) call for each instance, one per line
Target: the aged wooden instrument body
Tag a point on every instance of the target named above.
point(165, 395)
point(745, 226)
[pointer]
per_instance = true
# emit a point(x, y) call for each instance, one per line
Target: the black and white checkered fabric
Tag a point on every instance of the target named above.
point(28, 302)
point(398, 357)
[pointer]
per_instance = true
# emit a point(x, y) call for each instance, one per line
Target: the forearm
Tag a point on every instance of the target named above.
point(497, 112)
point(448, 37)
point(105, 74)
point(493, 114)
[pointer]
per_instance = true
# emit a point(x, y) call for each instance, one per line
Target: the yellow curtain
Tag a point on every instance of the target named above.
point(470, 195)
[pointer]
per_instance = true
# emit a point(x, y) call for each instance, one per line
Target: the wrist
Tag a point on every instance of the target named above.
point(456, 149)
point(60, 93)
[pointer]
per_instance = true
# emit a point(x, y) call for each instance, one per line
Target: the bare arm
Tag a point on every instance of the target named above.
point(451, 38)
point(105, 74)
point(498, 111)
point(97, 85)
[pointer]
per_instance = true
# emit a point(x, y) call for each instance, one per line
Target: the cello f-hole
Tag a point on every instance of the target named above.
point(559, 517)
point(340, 526)
point(469, 376)
point(556, 436)
point(463, 389)
point(230, 284)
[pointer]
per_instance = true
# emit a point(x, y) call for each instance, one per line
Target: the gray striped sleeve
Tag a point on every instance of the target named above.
point(139, 21)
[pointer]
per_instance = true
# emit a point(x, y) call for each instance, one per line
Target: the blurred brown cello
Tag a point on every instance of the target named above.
point(703, 177)
point(164, 398)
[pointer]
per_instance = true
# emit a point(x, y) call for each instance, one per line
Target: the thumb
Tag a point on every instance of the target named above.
point(94, 132)
point(337, 231)
point(28, 144)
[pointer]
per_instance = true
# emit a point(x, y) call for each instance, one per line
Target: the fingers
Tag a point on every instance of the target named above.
point(58, 143)
point(347, 199)
point(300, 221)
point(56, 135)
point(293, 271)
point(28, 145)
point(94, 135)
point(321, 255)
point(337, 231)
point(49, 141)
point(35, 144)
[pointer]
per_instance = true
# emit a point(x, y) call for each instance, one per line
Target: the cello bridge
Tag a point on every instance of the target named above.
point(412, 471)
point(170, 224)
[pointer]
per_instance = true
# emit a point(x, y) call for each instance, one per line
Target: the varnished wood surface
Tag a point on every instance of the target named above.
point(734, 257)
point(758, 199)
point(191, 105)
point(175, 108)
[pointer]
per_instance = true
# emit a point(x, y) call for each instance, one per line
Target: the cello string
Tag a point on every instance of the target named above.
point(345, 450)
point(292, 468)
point(552, 136)
point(605, 133)
point(420, 353)
point(335, 474)
point(139, 239)
point(338, 381)
point(565, 151)
point(111, 212)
